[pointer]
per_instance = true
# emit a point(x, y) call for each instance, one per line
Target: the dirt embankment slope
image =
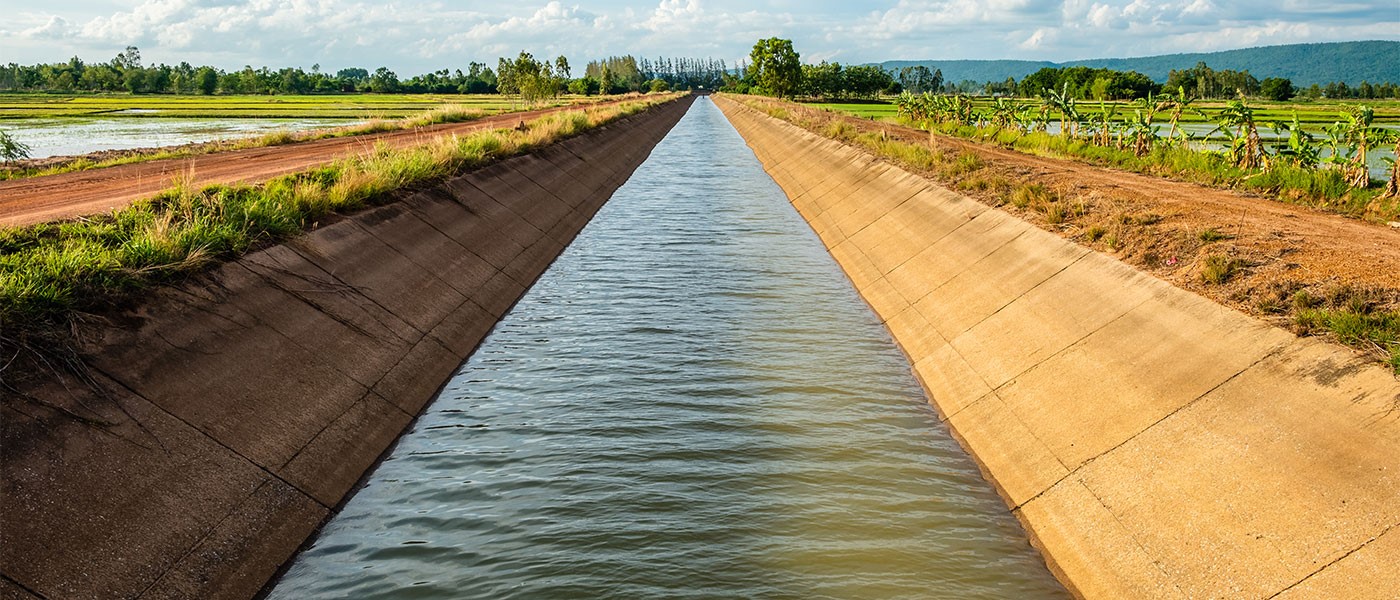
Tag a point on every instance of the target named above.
point(52, 197)
point(226, 417)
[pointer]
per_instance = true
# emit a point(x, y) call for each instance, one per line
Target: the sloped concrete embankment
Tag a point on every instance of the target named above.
point(1154, 444)
point(239, 409)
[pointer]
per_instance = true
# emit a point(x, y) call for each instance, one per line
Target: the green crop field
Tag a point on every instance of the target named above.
point(878, 110)
point(349, 106)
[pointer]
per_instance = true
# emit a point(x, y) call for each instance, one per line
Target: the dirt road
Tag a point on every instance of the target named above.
point(53, 197)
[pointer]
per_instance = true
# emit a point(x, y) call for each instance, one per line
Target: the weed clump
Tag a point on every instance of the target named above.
point(1033, 194)
point(1355, 318)
point(1219, 269)
point(1210, 235)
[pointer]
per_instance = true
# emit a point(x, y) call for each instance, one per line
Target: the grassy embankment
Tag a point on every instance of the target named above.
point(50, 273)
point(383, 113)
point(1367, 319)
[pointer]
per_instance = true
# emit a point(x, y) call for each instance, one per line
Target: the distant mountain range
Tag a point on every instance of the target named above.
point(1304, 64)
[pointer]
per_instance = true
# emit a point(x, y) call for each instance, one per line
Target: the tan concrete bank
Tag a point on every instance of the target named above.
point(239, 409)
point(1153, 443)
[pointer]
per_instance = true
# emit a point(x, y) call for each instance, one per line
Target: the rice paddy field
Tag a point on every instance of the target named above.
point(59, 125)
point(348, 106)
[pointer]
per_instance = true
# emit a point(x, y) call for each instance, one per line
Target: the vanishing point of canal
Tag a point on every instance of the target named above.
point(692, 402)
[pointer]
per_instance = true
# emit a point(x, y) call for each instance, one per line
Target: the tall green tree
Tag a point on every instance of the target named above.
point(1276, 88)
point(206, 80)
point(777, 68)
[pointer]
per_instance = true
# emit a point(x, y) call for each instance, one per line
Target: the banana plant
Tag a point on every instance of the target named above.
point(1142, 131)
point(1179, 104)
point(1338, 149)
point(1246, 151)
point(1065, 104)
point(12, 149)
point(1003, 112)
point(1028, 119)
point(1299, 148)
point(1390, 136)
point(1103, 124)
point(1359, 135)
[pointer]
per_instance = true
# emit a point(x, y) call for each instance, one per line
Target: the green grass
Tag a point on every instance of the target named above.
point(1354, 318)
point(49, 272)
point(1220, 269)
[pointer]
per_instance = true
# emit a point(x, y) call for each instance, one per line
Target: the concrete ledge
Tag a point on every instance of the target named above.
point(1153, 443)
point(230, 415)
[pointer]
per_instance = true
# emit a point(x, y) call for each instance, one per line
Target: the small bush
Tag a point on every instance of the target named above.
point(1094, 233)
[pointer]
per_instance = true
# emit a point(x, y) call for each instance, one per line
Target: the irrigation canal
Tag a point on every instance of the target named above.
point(693, 402)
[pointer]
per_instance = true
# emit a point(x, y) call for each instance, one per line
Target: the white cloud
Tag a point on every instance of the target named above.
point(419, 35)
point(55, 28)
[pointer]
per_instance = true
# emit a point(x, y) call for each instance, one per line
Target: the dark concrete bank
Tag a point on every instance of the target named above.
point(237, 410)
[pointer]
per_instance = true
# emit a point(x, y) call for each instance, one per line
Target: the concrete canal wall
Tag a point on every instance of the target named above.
point(1153, 443)
point(228, 416)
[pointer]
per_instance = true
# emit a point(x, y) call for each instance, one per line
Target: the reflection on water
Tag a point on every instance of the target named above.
point(75, 136)
point(691, 403)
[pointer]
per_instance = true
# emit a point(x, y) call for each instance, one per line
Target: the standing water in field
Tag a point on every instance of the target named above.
point(693, 402)
point(72, 136)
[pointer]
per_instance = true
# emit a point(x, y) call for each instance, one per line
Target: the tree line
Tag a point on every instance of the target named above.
point(775, 69)
point(524, 75)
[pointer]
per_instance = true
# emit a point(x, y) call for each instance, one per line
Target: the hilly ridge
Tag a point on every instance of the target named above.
point(1304, 64)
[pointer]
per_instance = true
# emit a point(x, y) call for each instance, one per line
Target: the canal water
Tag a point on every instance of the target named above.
point(693, 402)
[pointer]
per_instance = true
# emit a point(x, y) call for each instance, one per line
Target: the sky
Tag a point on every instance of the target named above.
point(416, 36)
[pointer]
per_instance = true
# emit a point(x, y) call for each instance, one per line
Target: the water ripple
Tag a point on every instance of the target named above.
point(691, 403)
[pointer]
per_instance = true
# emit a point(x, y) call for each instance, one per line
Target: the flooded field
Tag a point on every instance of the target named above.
point(73, 136)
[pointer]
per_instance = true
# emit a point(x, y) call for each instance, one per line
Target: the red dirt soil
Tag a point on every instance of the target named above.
point(67, 195)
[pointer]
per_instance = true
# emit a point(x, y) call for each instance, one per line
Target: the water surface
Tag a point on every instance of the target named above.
point(71, 136)
point(691, 403)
